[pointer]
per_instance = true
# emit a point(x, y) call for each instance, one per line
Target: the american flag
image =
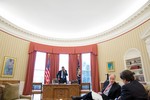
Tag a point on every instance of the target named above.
point(47, 72)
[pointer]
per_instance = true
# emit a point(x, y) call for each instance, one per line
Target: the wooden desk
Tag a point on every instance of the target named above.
point(60, 91)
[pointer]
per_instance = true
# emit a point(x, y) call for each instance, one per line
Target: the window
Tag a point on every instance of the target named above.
point(86, 68)
point(63, 61)
point(39, 67)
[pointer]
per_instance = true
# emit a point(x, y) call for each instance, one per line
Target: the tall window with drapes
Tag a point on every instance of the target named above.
point(63, 61)
point(39, 68)
point(75, 55)
point(41, 72)
point(86, 68)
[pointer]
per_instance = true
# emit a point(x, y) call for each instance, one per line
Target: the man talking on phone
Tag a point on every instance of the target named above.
point(61, 75)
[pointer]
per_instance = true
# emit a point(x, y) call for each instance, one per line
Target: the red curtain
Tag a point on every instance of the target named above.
point(95, 73)
point(54, 62)
point(40, 47)
point(73, 64)
point(86, 49)
point(54, 59)
point(63, 50)
point(29, 74)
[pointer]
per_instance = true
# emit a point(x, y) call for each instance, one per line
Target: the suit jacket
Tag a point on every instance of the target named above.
point(114, 92)
point(133, 91)
point(62, 79)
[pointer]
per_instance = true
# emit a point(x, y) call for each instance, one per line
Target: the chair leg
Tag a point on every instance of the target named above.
point(32, 96)
point(41, 96)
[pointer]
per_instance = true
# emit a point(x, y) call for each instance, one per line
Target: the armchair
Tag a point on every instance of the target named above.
point(147, 88)
point(9, 89)
point(85, 88)
point(37, 88)
point(74, 82)
point(55, 81)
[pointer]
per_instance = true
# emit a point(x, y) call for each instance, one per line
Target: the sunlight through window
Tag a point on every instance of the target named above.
point(63, 61)
point(39, 68)
point(86, 68)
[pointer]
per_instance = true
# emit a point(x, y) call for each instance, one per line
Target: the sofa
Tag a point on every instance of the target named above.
point(147, 88)
point(9, 90)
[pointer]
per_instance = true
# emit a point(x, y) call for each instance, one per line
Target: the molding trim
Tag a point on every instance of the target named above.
point(146, 34)
point(148, 82)
point(137, 19)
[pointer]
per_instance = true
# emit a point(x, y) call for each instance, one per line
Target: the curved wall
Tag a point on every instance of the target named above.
point(112, 50)
point(115, 49)
point(17, 48)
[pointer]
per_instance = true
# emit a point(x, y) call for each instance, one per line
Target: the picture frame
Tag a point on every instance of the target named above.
point(8, 67)
point(110, 66)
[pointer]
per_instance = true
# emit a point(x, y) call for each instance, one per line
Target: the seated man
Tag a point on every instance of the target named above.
point(111, 91)
point(132, 89)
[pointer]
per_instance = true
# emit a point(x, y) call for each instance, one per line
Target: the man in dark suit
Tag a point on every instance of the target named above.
point(110, 91)
point(61, 75)
point(132, 89)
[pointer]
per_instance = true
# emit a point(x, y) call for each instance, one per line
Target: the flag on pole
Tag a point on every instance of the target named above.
point(78, 70)
point(47, 72)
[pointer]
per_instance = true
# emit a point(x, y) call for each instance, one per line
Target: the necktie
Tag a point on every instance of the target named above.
point(107, 88)
point(62, 74)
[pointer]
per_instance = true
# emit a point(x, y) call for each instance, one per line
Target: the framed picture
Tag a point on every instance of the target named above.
point(8, 67)
point(110, 66)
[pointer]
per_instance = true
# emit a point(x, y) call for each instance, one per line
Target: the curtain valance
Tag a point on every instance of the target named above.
point(63, 50)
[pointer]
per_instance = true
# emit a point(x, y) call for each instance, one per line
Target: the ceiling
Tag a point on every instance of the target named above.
point(68, 19)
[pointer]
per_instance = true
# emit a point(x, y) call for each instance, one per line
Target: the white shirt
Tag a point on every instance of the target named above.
point(62, 74)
